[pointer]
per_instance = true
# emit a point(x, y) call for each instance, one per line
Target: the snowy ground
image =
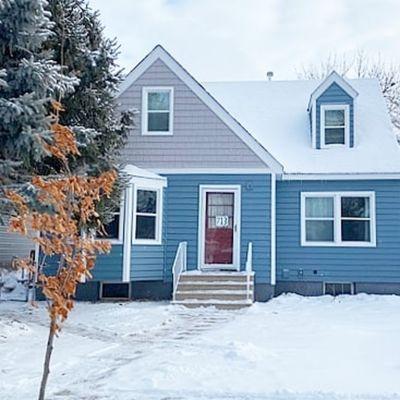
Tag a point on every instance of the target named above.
point(292, 348)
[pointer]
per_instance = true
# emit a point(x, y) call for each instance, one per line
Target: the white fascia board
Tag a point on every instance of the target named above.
point(232, 171)
point(160, 53)
point(341, 176)
point(333, 77)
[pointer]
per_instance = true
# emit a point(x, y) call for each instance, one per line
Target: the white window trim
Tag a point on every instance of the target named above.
point(120, 239)
point(337, 219)
point(327, 107)
point(159, 216)
point(145, 91)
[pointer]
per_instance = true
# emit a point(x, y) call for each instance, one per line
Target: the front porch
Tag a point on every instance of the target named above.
point(223, 290)
point(220, 288)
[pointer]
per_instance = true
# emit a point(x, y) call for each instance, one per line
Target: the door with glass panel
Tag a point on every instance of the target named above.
point(219, 239)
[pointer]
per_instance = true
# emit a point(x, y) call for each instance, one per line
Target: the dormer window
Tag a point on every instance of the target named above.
point(157, 110)
point(334, 125)
point(332, 112)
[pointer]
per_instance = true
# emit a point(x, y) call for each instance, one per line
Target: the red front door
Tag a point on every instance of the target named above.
point(219, 228)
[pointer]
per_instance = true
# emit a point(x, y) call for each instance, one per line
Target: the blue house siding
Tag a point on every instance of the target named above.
point(109, 266)
point(334, 95)
point(182, 207)
point(351, 264)
point(147, 263)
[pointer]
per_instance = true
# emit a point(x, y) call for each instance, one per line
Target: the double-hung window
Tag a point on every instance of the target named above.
point(334, 125)
point(338, 219)
point(147, 216)
point(157, 110)
point(113, 231)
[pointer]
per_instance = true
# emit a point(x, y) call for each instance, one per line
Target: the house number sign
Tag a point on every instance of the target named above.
point(221, 221)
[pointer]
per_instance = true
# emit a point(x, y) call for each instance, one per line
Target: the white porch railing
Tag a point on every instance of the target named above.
point(249, 268)
point(179, 265)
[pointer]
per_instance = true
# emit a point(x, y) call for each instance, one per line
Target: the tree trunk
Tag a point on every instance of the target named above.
point(46, 366)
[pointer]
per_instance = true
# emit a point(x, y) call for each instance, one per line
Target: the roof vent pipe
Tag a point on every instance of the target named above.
point(270, 74)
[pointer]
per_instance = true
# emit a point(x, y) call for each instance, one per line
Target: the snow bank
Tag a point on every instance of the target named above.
point(290, 348)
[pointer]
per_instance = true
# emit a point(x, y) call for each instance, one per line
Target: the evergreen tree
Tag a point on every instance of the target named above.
point(91, 112)
point(29, 81)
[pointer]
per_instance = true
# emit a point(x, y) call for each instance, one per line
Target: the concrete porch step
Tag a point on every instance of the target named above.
point(221, 305)
point(215, 285)
point(209, 295)
point(215, 277)
point(222, 289)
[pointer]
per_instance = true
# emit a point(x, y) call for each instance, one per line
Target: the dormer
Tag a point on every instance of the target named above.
point(331, 109)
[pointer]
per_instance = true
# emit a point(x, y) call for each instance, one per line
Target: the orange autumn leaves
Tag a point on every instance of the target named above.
point(65, 206)
point(64, 142)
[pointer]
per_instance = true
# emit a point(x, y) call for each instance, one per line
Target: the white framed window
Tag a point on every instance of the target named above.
point(335, 125)
point(147, 215)
point(114, 230)
point(338, 219)
point(157, 110)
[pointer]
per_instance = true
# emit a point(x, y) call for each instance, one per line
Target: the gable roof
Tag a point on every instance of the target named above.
point(160, 53)
point(333, 77)
point(274, 112)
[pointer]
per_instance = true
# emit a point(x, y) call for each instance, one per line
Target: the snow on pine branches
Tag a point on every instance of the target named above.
point(62, 207)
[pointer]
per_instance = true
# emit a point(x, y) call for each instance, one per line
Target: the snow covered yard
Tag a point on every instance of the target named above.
point(290, 348)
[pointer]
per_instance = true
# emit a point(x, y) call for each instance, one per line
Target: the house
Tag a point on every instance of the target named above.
point(243, 190)
point(13, 245)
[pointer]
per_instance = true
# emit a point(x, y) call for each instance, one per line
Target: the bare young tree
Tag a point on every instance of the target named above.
point(360, 65)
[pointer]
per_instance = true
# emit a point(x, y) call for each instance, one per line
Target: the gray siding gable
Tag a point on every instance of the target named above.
point(200, 138)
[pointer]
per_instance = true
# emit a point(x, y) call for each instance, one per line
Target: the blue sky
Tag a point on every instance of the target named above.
point(242, 39)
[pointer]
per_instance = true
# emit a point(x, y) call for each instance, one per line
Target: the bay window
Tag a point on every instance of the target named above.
point(338, 219)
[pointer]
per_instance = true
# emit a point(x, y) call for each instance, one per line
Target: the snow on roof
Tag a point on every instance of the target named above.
point(136, 172)
point(275, 113)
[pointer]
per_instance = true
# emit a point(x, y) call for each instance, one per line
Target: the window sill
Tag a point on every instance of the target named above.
point(144, 242)
point(341, 244)
point(162, 133)
point(111, 241)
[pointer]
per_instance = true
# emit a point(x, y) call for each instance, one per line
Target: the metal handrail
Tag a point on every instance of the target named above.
point(179, 265)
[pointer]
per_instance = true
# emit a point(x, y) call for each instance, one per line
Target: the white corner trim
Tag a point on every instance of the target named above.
point(355, 122)
point(337, 218)
point(314, 126)
point(340, 107)
point(273, 229)
point(127, 247)
point(160, 53)
point(150, 89)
